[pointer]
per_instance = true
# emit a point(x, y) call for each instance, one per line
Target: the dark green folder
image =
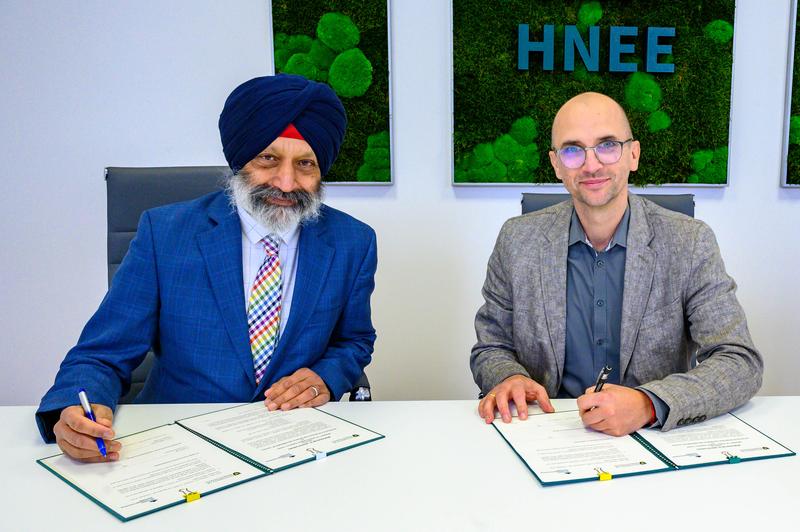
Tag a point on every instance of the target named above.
point(668, 464)
point(263, 468)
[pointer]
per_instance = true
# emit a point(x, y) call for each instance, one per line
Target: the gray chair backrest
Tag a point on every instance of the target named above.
point(683, 203)
point(130, 192)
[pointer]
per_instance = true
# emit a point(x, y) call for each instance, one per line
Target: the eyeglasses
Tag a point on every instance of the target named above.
point(607, 152)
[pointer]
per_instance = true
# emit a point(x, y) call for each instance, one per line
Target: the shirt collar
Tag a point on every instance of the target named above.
point(255, 232)
point(620, 238)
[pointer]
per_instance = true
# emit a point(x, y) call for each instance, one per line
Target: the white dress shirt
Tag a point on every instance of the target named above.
point(253, 255)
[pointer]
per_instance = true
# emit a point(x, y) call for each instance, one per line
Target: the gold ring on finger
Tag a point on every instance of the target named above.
point(316, 391)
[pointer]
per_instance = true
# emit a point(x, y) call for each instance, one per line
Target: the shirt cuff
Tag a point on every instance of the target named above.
point(662, 410)
point(46, 421)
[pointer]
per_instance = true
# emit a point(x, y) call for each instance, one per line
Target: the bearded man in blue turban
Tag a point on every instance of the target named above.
point(258, 292)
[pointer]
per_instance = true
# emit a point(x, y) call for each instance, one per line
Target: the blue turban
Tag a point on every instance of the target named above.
point(257, 112)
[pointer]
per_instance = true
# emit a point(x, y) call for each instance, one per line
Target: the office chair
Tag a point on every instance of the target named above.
point(683, 203)
point(131, 191)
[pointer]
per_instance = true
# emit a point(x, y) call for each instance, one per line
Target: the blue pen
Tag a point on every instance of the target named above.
point(87, 409)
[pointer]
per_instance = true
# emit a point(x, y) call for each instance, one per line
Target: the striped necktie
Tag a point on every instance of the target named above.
point(264, 308)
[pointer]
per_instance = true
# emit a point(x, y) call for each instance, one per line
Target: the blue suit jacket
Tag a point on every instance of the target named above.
point(179, 291)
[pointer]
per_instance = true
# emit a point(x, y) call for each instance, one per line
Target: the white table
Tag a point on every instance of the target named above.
point(439, 468)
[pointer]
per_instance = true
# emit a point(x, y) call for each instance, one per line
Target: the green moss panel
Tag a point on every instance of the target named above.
point(793, 162)
point(345, 44)
point(673, 115)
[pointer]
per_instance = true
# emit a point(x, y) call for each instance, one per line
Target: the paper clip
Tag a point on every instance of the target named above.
point(189, 495)
point(603, 475)
point(732, 458)
point(318, 455)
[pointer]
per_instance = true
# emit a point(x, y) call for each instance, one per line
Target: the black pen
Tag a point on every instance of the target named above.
point(602, 378)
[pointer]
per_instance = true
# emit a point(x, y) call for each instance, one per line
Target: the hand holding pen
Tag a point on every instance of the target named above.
point(617, 411)
point(80, 437)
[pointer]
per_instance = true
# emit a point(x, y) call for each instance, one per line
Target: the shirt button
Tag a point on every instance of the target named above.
point(600, 263)
point(600, 341)
point(600, 303)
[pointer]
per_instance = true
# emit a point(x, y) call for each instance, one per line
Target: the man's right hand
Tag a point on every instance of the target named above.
point(518, 388)
point(75, 434)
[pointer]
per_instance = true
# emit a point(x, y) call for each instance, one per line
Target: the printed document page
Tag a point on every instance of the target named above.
point(558, 448)
point(157, 467)
point(714, 440)
point(278, 439)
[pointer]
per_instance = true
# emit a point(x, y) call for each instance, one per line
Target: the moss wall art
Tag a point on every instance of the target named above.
point(516, 62)
point(345, 44)
point(793, 129)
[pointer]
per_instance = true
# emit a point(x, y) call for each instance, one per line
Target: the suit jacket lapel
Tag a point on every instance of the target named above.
point(314, 259)
point(553, 258)
point(639, 270)
point(221, 247)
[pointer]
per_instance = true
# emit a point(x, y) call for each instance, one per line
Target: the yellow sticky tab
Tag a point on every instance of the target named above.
point(191, 496)
point(605, 476)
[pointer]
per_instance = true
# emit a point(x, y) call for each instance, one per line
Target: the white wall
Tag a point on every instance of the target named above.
point(141, 83)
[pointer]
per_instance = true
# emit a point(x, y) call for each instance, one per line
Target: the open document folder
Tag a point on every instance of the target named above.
point(193, 457)
point(558, 449)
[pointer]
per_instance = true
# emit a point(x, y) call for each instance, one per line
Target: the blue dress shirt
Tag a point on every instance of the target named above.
point(595, 287)
point(595, 282)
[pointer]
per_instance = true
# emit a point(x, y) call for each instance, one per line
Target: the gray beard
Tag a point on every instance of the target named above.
point(253, 199)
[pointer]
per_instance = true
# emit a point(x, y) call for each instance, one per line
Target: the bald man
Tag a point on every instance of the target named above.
point(258, 292)
point(610, 279)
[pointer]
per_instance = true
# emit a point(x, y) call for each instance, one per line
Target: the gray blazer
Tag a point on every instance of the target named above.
point(677, 300)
